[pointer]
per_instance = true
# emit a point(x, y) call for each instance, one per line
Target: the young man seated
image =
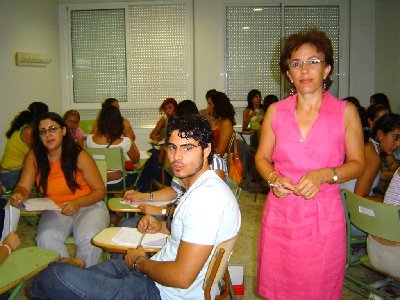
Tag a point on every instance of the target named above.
point(206, 215)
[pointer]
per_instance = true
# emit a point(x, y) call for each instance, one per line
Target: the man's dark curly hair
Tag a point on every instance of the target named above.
point(111, 123)
point(311, 36)
point(195, 127)
point(69, 154)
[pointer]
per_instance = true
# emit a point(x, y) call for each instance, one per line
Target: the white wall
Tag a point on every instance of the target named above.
point(387, 59)
point(362, 50)
point(27, 26)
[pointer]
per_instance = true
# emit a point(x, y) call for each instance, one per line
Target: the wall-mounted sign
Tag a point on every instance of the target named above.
point(32, 60)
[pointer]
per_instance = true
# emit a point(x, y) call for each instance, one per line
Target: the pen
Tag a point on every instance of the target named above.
point(144, 233)
point(278, 185)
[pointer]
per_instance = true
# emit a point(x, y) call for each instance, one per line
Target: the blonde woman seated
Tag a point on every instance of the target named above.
point(72, 119)
point(384, 255)
point(68, 176)
point(109, 135)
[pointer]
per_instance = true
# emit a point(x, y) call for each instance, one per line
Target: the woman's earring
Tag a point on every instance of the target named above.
point(324, 87)
point(292, 90)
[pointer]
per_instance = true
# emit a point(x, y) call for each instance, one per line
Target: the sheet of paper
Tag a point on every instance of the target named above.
point(136, 204)
point(130, 237)
point(33, 204)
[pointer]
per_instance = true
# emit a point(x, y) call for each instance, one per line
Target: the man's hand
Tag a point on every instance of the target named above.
point(132, 254)
point(70, 208)
point(135, 196)
point(149, 224)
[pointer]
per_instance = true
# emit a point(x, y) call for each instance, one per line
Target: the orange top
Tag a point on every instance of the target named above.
point(57, 188)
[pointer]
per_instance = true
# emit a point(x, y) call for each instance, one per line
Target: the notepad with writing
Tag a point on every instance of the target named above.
point(130, 237)
point(37, 204)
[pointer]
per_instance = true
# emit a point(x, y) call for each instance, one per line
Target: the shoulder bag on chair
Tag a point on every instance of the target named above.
point(235, 164)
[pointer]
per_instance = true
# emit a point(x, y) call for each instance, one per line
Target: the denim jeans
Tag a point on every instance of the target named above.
point(10, 178)
point(109, 280)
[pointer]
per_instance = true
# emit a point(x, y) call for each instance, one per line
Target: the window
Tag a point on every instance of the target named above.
point(139, 53)
point(253, 38)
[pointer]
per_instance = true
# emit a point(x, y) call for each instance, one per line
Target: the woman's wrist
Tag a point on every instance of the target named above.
point(271, 177)
point(8, 248)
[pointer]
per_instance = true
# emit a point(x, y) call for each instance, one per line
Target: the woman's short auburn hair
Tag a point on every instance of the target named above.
point(312, 36)
point(166, 102)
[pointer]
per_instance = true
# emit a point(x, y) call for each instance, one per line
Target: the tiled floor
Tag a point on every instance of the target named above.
point(245, 250)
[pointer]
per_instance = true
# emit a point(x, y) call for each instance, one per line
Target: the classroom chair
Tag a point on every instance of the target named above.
point(218, 269)
point(375, 218)
point(21, 265)
point(86, 126)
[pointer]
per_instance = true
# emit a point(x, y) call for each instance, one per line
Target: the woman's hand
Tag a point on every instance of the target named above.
point(135, 196)
point(309, 185)
point(148, 209)
point(149, 224)
point(16, 200)
point(281, 186)
point(12, 240)
point(70, 208)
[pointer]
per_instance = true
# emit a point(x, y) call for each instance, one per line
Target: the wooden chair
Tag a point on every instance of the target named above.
point(218, 269)
point(22, 265)
point(378, 219)
point(114, 158)
point(235, 188)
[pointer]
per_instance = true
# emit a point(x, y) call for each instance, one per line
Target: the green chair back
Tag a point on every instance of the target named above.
point(22, 265)
point(378, 219)
point(373, 217)
point(114, 158)
point(87, 126)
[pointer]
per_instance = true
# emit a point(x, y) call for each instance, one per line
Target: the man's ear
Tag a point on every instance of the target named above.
point(207, 151)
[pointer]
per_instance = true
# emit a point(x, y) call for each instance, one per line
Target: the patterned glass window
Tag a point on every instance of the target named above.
point(98, 55)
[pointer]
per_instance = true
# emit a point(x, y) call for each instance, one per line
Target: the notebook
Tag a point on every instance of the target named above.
point(131, 236)
point(36, 204)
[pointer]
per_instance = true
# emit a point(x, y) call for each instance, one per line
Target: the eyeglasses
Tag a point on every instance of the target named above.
point(171, 148)
point(51, 129)
point(313, 62)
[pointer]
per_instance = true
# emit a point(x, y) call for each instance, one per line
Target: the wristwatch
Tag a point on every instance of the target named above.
point(334, 177)
point(150, 197)
point(135, 263)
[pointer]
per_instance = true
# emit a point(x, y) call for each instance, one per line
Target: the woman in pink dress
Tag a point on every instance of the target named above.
point(310, 142)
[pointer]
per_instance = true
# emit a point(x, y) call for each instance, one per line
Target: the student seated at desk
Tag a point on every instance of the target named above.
point(177, 271)
point(68, 176)
point(176, 189)
point(253, 109)
point(384, 255)
point(72, 119)
point(19, 141)
point(110, 127)
point(222, 127)
point(128, 131)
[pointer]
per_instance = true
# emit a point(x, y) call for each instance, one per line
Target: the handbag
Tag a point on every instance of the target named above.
point(235, 164)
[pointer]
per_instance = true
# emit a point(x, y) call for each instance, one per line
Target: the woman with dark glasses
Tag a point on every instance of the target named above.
point(68, 176)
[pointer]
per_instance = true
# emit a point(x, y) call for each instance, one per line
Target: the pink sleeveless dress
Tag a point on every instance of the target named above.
point(302, 243)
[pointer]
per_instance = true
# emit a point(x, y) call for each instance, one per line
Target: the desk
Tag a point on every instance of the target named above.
point(244, 132)
point(104, 240)
point(114, 204)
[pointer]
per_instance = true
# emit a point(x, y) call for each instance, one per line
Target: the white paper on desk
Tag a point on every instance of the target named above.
point(33, 204)
point(130, 237)
point(136, 204)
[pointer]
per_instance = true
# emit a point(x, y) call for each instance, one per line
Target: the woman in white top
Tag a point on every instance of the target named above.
point(384, 255)
point(109, 135)
point(385, 139)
